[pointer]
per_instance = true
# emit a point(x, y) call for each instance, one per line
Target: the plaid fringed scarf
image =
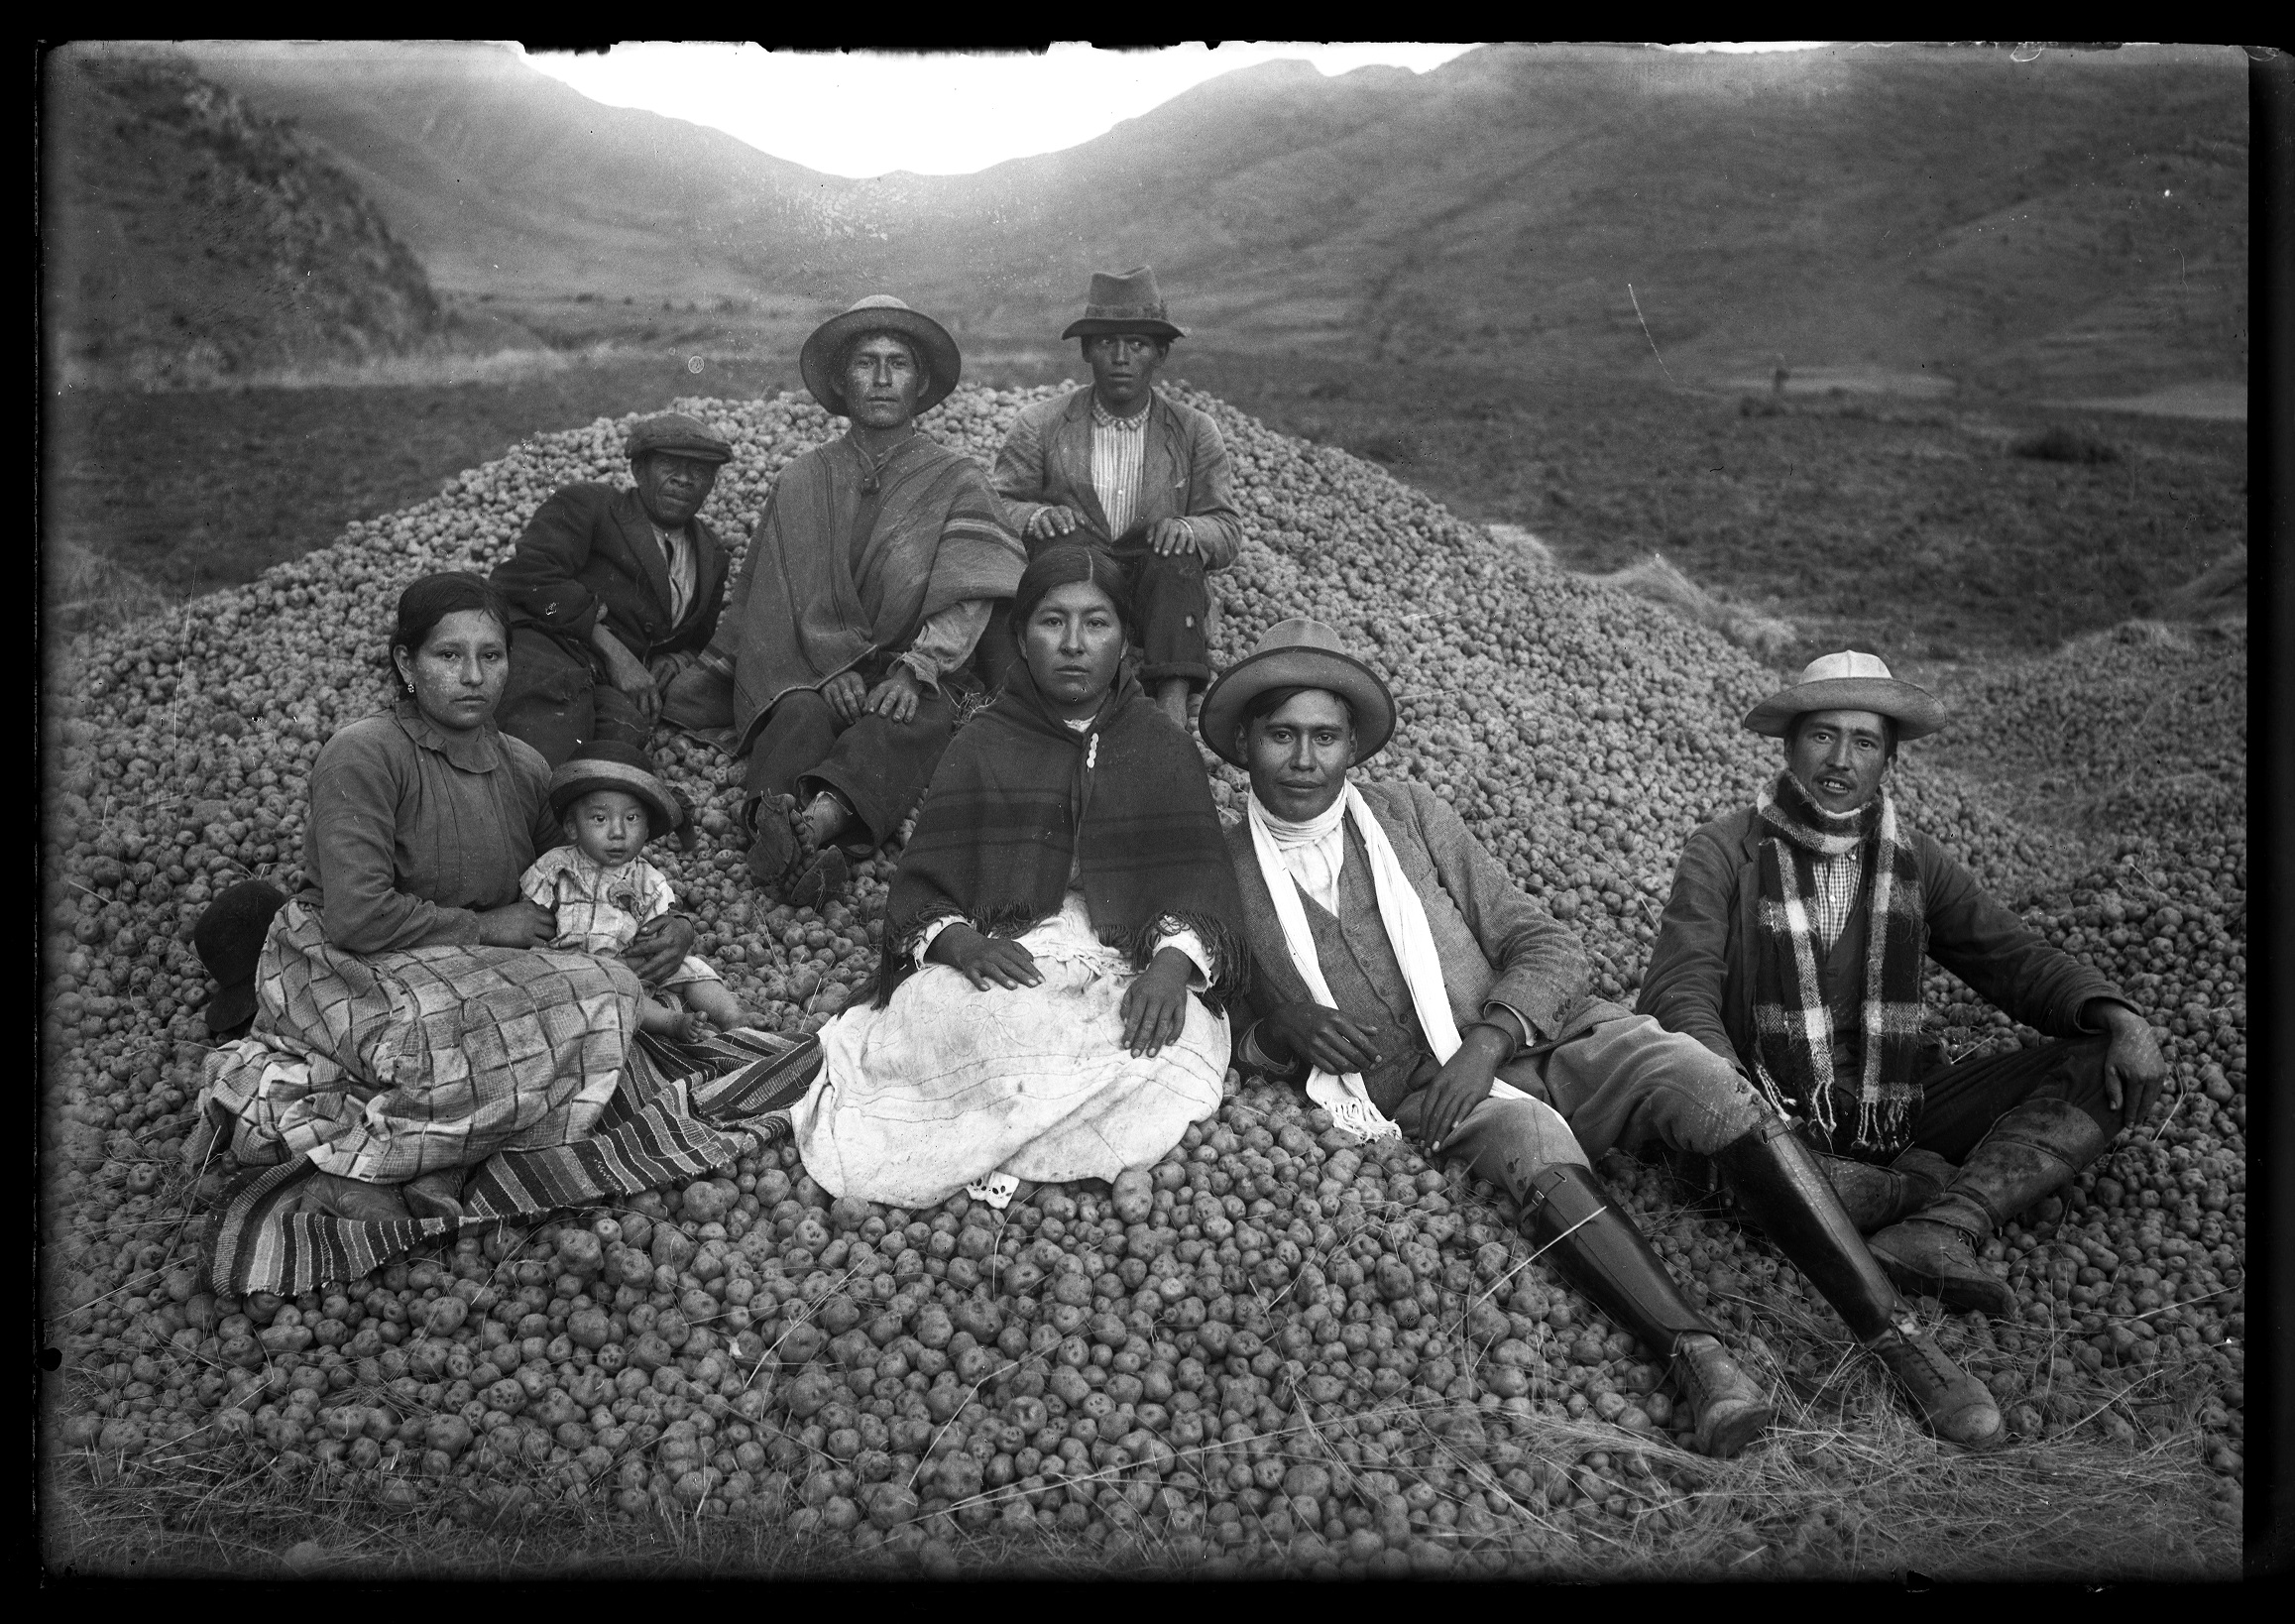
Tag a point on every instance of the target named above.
point(1019, 796)
point(1794, 1058)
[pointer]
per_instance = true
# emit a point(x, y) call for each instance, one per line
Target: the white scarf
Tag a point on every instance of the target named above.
point(1344, 1096)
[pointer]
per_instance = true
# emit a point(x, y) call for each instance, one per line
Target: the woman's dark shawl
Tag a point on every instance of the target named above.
point(1018, 795)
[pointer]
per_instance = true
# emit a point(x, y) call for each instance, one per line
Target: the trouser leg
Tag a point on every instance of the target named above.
point(1172, 597)
point(699, 700)
point(548, 700)
point(616, 719)
point(880, 768)
point(797, 737)
point(1627, 1083)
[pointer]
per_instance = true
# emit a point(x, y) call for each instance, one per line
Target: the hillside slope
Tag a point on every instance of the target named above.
point(190, 239)
point(2076, 220)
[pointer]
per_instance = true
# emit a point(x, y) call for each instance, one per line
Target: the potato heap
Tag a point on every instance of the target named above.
point(1277, 1348)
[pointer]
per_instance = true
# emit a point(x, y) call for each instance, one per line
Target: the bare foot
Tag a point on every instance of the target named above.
point(1172, 700)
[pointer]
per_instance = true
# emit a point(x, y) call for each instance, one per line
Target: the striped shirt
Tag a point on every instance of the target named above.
point(1118, 456)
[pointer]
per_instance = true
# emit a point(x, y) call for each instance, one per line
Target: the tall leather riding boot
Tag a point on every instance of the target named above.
point(2032, 1151)
point(1776, 1181)
point(1599, 1250)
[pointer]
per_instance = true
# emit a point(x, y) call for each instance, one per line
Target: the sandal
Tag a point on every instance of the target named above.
point(774, 848)
point(823, 877)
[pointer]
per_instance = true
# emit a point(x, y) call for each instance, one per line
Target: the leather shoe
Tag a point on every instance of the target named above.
point(1729, 1406)
point(1929, 1259)
point(1955, 1405)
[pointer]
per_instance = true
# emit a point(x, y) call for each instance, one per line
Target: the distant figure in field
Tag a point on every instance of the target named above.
point(614, 594)
point(1141, 474)
point(1776, 379)
point(866, 586)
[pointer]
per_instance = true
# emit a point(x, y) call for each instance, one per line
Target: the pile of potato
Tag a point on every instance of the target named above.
point(1284, 1350)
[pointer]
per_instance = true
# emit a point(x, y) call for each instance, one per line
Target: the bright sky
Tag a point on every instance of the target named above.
point(941, 114)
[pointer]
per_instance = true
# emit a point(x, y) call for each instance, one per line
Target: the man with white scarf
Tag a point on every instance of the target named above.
point(1403, 978)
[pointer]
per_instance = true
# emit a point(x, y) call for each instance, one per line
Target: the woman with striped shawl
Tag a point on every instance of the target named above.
point(1062, 937)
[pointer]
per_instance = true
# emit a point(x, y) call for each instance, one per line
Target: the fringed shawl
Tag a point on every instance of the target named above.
point(1019, 800)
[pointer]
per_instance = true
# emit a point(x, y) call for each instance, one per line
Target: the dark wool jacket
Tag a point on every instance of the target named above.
point(1045, 461)
point(588, 551)
point(1496, 945)
point(1700, 976)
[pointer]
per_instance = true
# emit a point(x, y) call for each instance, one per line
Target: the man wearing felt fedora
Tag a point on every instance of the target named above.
point(1401, 976)
point(868, 580)
point(1137, 472)
point(1794, 947)
point(614, 594)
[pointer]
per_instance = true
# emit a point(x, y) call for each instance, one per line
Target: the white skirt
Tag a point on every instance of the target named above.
point(949, 1084)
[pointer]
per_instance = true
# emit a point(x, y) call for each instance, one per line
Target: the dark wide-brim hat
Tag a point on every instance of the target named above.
point(879, 312)
point(1297, 653)
point(680, 436)
point(606, 764)
point(1849, 681)
point(1125, 303)
point(229, 941)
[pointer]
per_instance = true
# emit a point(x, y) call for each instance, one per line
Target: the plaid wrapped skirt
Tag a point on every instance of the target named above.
point(386, 1066)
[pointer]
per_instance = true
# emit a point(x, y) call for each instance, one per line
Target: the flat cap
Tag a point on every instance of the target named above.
point(679, 436)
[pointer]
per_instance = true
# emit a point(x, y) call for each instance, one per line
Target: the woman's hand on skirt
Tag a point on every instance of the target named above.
point(1155, 1007)
point(519, 924)
point(985, 961)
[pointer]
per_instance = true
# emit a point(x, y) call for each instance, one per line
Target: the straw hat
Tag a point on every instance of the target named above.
point(1849, 681)
point(1297, 653)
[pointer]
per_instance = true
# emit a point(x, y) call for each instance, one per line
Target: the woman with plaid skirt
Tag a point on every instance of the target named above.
point(411, 1021)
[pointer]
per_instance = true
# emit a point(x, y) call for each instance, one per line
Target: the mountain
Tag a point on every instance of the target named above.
point(189, 238)
point(2065, 222)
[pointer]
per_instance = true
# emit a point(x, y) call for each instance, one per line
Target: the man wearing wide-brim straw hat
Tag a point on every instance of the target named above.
point(849, 640)
point(1128, 466)
point(614, 594)
point(1401, 976)
point(1794, 946)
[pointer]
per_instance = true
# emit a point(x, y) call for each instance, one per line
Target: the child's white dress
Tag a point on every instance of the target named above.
point(600, 909)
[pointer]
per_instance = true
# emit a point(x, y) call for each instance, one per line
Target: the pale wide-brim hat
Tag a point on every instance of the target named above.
point(1849, 681)
point(879, 312)
point(1297, 653)
point(1123, 303)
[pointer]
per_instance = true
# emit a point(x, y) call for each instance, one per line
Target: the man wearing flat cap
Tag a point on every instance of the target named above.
point(614, 593)
point(1139, 472)
point(1794, 946)
point(1401, 976)
point(854, 617)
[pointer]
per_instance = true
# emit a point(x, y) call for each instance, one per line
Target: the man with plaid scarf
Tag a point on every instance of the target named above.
point(1794, 947)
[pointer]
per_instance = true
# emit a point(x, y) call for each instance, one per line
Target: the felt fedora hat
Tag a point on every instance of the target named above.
point(606, 764)
point(879, 312)
point(1297, 653)
point(229, 941)
point(1849, 681)
point(1125, 303)
point(679, 436)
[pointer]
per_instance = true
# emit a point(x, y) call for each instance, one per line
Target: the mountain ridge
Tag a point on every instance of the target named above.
point(2049, 222)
